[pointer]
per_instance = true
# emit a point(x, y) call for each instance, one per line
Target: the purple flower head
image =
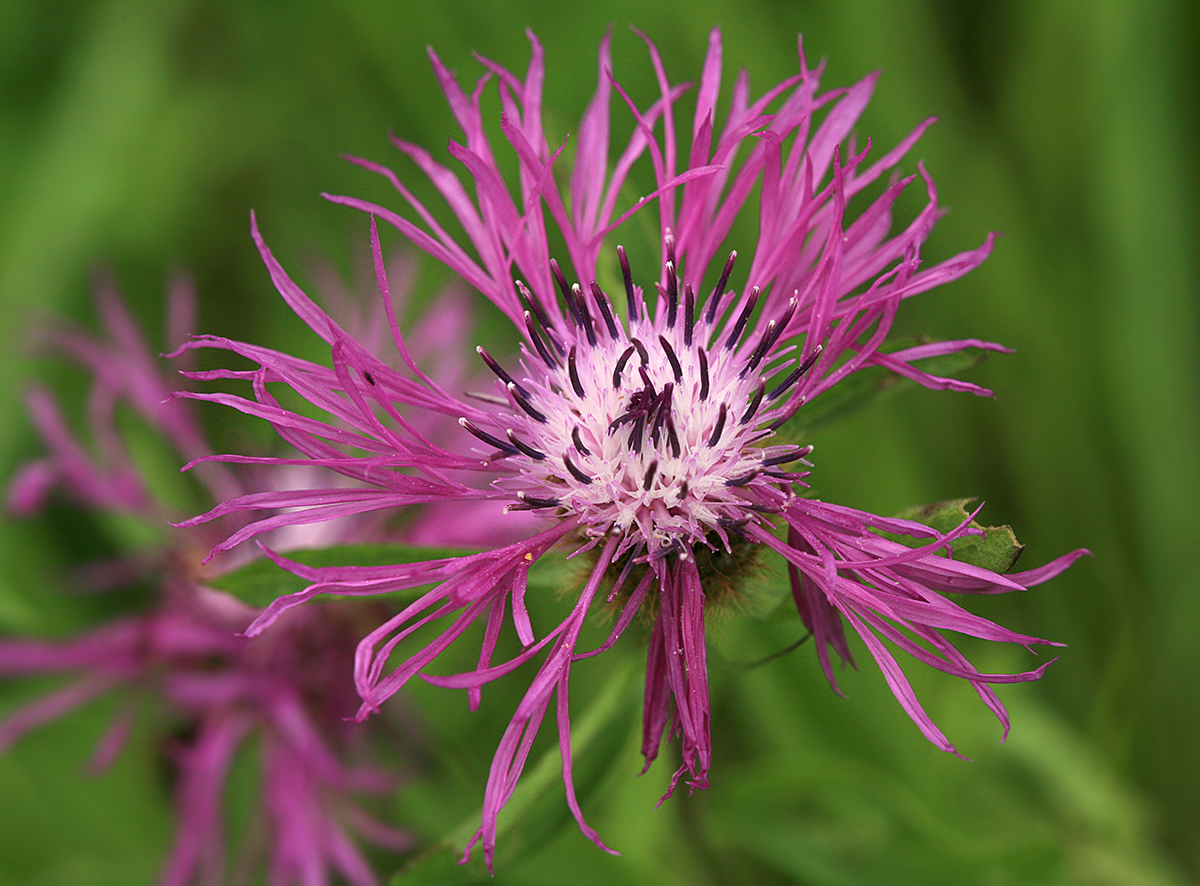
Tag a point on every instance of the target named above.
point(285, 697)
point(641, 420)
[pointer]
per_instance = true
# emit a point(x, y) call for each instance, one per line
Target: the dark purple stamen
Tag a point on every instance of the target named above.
point(689, 314)
point(774, 329)
point(703, 355)
point(761, 351)
point(488, 438)
point(751, 301)
point(569, 295)
point(630, 296)
point(795, 374)
point(742, 480)
point(499, 370)
point(642, 352)
point(719, 291)
point(533, 305)
point(646, 409)
point(672, 294)
point(682, 491)
point(671, 358)
point(573, 373)
point(524, 447)
point(625, 418)
point(605, 310)
point(561, 280)
point(531, 328)
point(789, 476)
point(649, 479)
point(536, 502)
point(635, 434)
point(754, 402)
point(621, 361)
point(583, 317)
point(660, 410)
point(578, 441)
point(522, 400)
point(672, 437)
point(575, 472)
point(795, 455)
point(720, 426)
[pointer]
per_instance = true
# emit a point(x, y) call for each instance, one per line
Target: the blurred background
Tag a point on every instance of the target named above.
point(135, 138)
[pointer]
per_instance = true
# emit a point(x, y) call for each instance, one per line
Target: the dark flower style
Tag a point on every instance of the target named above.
point(645, 430)
point(287, 696)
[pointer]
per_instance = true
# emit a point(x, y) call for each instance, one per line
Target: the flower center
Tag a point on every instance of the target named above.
point(652, 428)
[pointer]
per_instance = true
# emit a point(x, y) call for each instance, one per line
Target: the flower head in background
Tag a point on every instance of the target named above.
point(644, 427)
point(287, 695)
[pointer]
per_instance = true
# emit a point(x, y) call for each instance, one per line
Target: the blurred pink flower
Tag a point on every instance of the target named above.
point(287, 695)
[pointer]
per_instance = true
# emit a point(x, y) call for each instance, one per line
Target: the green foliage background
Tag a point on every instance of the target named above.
point(136, 136)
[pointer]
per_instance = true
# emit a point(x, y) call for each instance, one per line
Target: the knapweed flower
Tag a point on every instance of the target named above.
point(647, 429)
point(285, 697)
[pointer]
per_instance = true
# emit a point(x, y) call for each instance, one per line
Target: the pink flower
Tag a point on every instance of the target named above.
point(643, 430)
point(287, 695)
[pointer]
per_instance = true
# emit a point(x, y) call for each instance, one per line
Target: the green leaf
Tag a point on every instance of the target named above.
point(997, 549)
point(261, 581)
